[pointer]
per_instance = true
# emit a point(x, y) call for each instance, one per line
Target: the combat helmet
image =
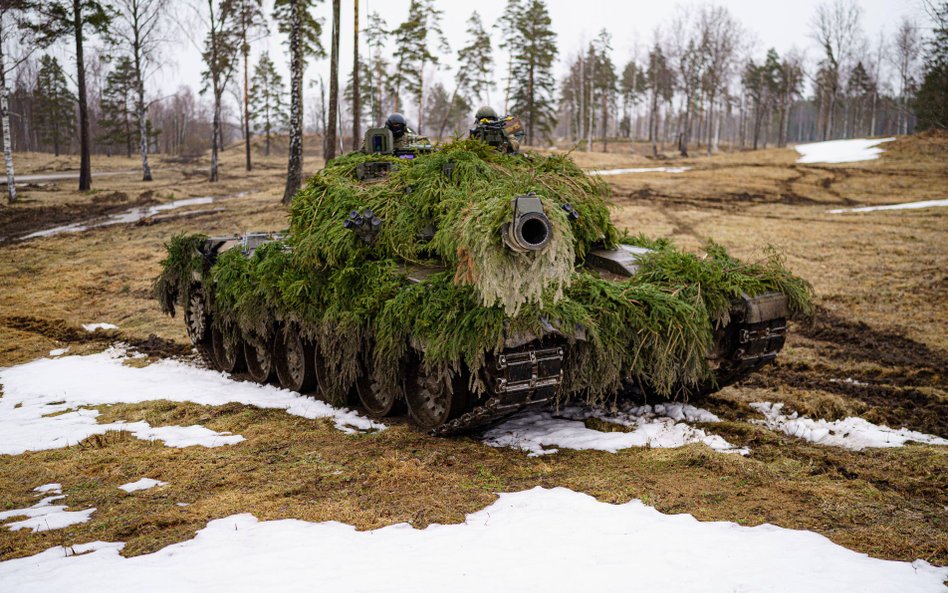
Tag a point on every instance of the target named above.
point(397, 124)
point(486, 112)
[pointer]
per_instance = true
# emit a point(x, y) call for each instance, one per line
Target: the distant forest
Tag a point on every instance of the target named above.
point(700, 82)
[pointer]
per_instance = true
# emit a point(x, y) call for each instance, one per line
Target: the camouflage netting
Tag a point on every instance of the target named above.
point(445, 210)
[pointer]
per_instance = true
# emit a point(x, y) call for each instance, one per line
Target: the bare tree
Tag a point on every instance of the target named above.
point(836, 28)
point(907, 47)
point(141, 31)
point(688, 60)
point(720, 35)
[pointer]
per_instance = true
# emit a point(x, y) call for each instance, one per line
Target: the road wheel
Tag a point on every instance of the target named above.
point(227, 353)
point(437, 398)
point(197, 322)
point(293, 359)
point(258, 353)
point(377, 400)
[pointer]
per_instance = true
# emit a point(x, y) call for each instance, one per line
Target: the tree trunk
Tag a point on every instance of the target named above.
point(711, 98)
point(7, 145)
point(356, 95)
point(333, 85)
point(246, 51)
point(294, 171)
point(216, 136)
point(85, 158)
point(142, 108)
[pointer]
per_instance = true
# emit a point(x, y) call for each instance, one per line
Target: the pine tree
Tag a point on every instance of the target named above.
point(509, 23)
point(931, 100)
point(475, 69)
point(221, 47)
point(375, 79)
point(249, 24)
point(55, 112)
point(414, 51)
point(267, 99)
point(117, 107)
point(631, 86)
point(56, 19)
point(534, 53)
point(329, 148)
point(452, 109)
point(660, 82)
point(297, 22)
point(605, 83)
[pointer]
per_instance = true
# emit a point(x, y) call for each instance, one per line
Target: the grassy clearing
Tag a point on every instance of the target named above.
point(880, 282)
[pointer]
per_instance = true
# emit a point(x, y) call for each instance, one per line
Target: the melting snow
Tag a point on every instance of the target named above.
point(841, 151)
point(44, 516)
point(904, 206)
point(91, 327)
point(59, 351)
point(537, 540)
point(66, 386)
point(851, 433)
point(126, 217)
point(143, 484)
point(660, 426)
point(640, 170)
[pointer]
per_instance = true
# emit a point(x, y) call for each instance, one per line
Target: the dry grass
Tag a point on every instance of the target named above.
point(880, 279)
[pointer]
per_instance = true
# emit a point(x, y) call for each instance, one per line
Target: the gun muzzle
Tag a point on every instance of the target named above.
point(530, 229)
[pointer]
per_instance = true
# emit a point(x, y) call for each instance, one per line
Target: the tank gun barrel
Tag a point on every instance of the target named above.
point(530, 229)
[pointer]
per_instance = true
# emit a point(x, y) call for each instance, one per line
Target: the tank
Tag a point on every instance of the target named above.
point(461, 285)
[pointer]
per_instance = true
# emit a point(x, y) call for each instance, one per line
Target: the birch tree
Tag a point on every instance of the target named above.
point(303, 31)
point(141, 28)
point(11, 12)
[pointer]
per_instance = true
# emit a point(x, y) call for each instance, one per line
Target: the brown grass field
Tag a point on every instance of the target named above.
point(881, 281)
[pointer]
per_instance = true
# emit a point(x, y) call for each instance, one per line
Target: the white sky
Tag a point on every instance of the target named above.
point(773, 23)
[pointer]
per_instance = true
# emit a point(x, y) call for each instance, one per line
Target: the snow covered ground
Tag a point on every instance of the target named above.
point(91, 327)
point(143, 484)
point(45, 516)
point(541, 432)
point(537, 540)
point(68, 385)
point(605, 172)
point(841, 151)
point(904, 206)
point(851, 433)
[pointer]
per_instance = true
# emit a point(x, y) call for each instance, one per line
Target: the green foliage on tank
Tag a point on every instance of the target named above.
point(350, 294)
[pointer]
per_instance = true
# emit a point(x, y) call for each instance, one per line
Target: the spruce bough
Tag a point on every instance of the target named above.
point(444, 211)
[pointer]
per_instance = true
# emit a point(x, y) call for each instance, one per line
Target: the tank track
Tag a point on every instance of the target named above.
point(526, 378)
point(517, 380)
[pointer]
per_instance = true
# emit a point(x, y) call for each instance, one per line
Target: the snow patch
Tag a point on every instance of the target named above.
point(69, 385)
point(533, 541)
point(540, 432)
point(841, 151)
point(851, 433)
point(59, 351)
point(143, 484)
point(126, 217)
point(91, 327)
point(45, 516)
point(606, 172)
point(55, 488)
point(903, 206)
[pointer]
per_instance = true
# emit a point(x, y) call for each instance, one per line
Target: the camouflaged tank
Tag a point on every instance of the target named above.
point(463, 284)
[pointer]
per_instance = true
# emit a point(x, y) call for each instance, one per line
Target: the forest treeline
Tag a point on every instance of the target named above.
point(700, 82)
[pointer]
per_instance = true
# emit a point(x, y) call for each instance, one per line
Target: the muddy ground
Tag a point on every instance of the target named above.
point(880, 280)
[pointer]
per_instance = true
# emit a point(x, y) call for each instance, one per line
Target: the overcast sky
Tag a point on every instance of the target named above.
point(773, 23)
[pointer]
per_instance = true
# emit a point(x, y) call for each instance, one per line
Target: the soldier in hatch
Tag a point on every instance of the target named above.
point(403, 136)
point(501, 133)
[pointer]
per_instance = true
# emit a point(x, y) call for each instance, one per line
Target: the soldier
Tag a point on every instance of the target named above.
point(501, 133)
point(403, 135)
